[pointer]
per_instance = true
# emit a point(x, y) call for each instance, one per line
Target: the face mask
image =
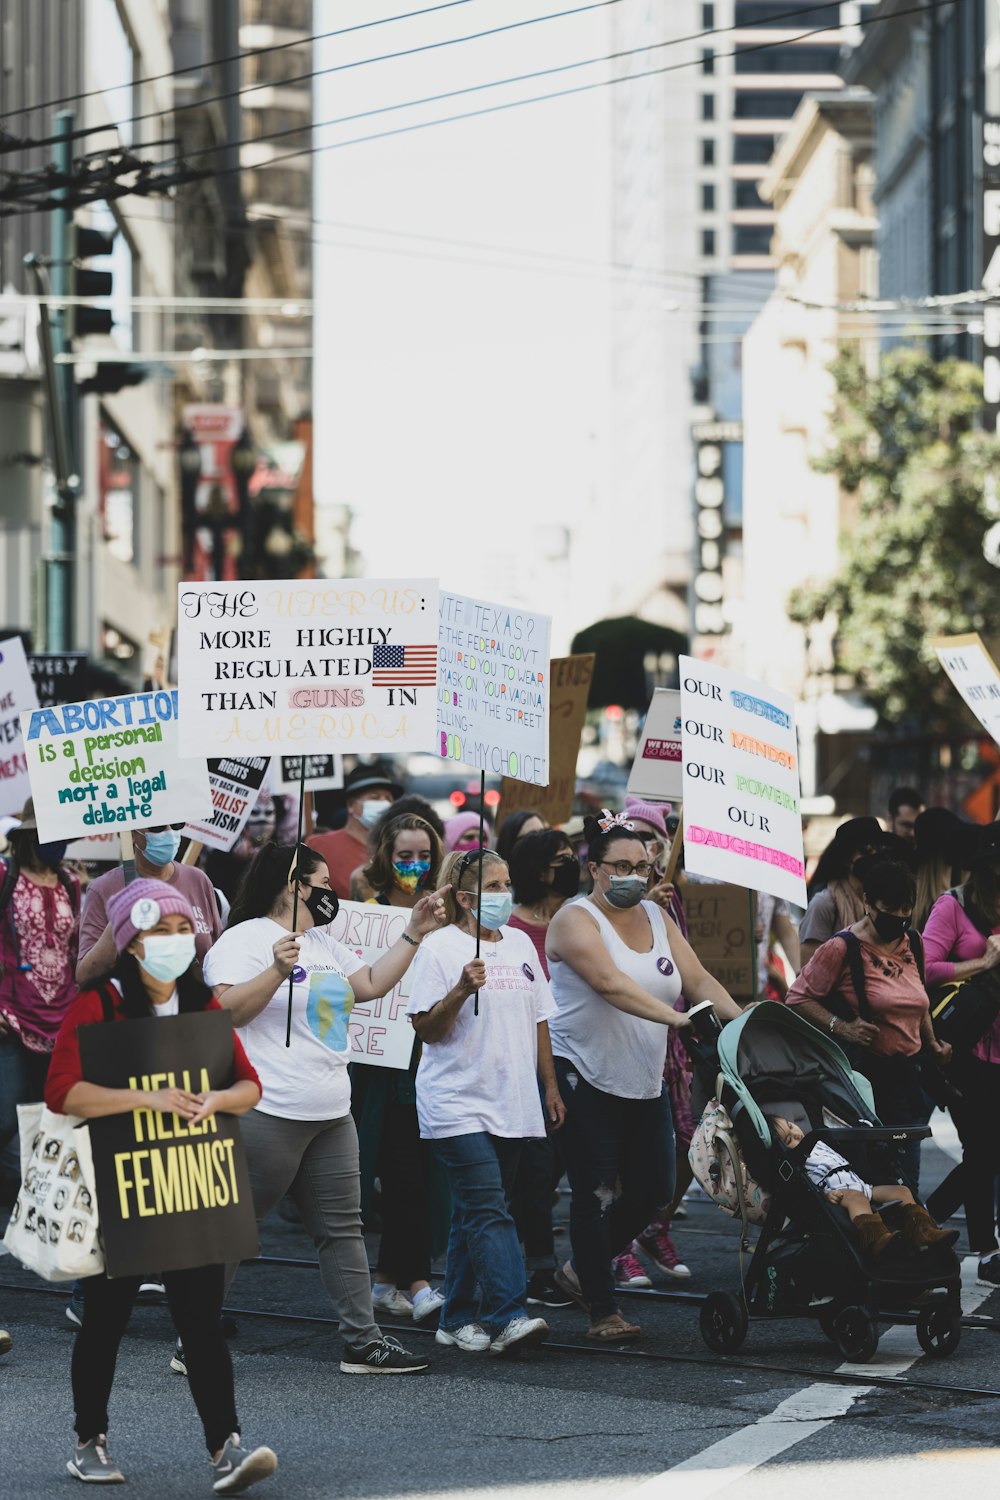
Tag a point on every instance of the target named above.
point(566, 879)
point(625, 890)
point(889, 928)
point(411, 874)
point(322, 904)
point(161, 847)
point(371, 811)
point(51, 855)
point(168, 957)
point(494, 911)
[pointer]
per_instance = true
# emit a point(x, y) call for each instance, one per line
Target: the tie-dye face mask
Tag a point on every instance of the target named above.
point(411, 874)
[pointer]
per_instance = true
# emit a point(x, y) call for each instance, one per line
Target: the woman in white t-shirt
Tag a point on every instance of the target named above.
point(302, 1140)
point(617, 964)
point(477, 1094)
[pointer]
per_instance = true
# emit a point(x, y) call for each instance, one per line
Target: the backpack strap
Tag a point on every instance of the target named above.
point(108, 998)
point(917, 949)
point(855, 964)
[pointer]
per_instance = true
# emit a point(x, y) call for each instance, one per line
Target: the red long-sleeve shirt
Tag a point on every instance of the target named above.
point(65, 1069)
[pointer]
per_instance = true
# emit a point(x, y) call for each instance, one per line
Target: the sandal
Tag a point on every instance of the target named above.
point(612, 1330)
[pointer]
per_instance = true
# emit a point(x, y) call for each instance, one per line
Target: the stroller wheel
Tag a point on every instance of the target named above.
point(855, 1334)
point(723, 1322)
point(938, 1331)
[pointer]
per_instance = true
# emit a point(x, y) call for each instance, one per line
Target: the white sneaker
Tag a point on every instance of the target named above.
point(520, 1331)
point(392, 1300)
point(470, 1337)
point(425, 1303)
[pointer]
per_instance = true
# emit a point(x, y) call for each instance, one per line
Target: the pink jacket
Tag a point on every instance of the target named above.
point(951, 938)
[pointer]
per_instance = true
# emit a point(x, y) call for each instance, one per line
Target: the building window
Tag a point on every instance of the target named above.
point(766, 106)
point(753, 149)
point(708, 153)
point(707, 60)
point(708, 197)
point(752, 239)
point(745, 195)
point(708, 243)
point(708, 106)
point(787, 60)
point(760, 12)
point(118, 483)
point(708, 16)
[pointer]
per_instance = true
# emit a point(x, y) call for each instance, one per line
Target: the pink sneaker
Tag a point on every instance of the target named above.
point(657, 1244)
point(628, 1272)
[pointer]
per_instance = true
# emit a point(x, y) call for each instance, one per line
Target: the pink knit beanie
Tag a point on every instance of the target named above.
point(139, 906)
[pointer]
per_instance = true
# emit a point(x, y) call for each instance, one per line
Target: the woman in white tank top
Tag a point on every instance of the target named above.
point(617, 964)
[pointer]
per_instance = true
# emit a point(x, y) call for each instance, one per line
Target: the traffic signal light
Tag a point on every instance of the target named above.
point(83, 281)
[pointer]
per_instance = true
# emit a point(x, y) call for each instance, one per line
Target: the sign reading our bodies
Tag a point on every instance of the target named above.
point(493, 688)
point(379, 1031)
point(170, 1192)
point(311, 664)
point(111, 763)
point(234, 786)
point(17, 693)
point(742, 821)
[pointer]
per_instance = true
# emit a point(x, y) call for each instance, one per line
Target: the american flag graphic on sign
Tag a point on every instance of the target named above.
point(404, 666)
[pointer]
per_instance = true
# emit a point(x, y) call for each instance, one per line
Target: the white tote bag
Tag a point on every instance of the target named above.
point(53, 1227)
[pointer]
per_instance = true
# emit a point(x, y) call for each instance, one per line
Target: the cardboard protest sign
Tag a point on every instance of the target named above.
point(657, 774)
point(307, 664)
point(59, 676)
point(974, 675)
point(234, 786)
point(569, 688)
point(17, 693)
point(171, 1194)
point(742, 821)
point(379, 1031)
point(493, 688)
point(99, 846)
point(718, 919)
point(324, 773)
point(111, 763)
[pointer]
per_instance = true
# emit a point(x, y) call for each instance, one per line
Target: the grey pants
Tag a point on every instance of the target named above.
point(316, 1162)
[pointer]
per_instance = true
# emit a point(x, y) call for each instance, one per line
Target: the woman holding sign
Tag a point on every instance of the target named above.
point(618, 965)
point(302, 1139)
point(154, 936)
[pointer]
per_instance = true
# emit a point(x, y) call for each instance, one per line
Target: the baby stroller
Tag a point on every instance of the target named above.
point(806, 1262)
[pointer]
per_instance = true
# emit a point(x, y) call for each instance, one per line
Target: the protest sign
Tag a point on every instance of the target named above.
point(17, 693)
point(311, 664)
point(171, 1194)
point(718, 919)
point(974, 675)
point(742, 821)
point(493, 688)
point(379, 1031)
point(234, 786)
point(59, 676)
point(323, 773)
point(98, 847)
point(569, 689)
point(656, 774)
point(111, 763)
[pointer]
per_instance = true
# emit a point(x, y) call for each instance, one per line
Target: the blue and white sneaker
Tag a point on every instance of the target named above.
point(236, 1468)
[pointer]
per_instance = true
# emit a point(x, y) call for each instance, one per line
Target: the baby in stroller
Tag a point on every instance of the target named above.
point(835, 1175)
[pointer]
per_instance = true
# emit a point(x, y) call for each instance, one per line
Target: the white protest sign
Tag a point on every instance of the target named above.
point(17, 693)
point(235, 786)
point(493, 688)
point(111, 763)
point(308, 664)
point(99, 847)
point(656, 773)
point(379, 1031)
point(324, 773)
point(742, 821)
point(974, 675)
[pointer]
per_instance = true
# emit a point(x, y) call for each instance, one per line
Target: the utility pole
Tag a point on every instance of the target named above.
point(60, 586)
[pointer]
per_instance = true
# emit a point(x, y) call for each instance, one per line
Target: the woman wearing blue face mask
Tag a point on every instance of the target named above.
point(617, 964)
point(477, 1095)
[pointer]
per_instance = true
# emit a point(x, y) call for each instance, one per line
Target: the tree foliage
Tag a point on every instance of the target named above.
point(906, 441)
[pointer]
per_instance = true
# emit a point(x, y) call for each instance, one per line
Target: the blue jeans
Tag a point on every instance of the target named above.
point(484, 1277)
point(608, 1140)
point(22, 1081)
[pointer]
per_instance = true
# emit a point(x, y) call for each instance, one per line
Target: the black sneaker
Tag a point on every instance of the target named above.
point(74, 1310)
point(543, 1291)
point(151, 1289)
point(989, 1271)
point(177, 1361)
point(381, 1357)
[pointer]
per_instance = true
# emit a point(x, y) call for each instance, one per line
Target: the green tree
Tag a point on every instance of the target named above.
point(906, 441)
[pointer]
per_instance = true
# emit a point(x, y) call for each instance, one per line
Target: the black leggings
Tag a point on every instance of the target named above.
point(974, 1115)
point(195, 1301)
point(403, 1165)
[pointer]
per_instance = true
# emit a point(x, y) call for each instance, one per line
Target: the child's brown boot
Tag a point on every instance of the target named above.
point(874, 1239)
point(920, 1230)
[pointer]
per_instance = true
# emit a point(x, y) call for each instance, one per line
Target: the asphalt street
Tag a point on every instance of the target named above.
point(665, 1420)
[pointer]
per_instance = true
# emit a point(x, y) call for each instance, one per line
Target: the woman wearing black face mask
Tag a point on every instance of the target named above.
point(301, 1140)
point(885, 1029)
point(618, 963)
point(39, 933)
point(544, 873)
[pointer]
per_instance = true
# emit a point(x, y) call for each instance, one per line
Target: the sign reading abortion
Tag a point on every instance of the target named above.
point(379, 1031)
point(493, 688)
point(742, 821)
point(111, 762)
point(169, 1191)
point(308, 664)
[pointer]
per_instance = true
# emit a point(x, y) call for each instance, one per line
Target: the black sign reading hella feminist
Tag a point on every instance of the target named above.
point(171, 1195)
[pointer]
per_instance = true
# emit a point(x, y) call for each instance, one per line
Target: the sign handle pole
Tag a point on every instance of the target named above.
point(675, 849)
point(295, 891)
point(752, 929)
point(128, 855)
point(310, 822)
point(192, 853)
point(479, 877)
